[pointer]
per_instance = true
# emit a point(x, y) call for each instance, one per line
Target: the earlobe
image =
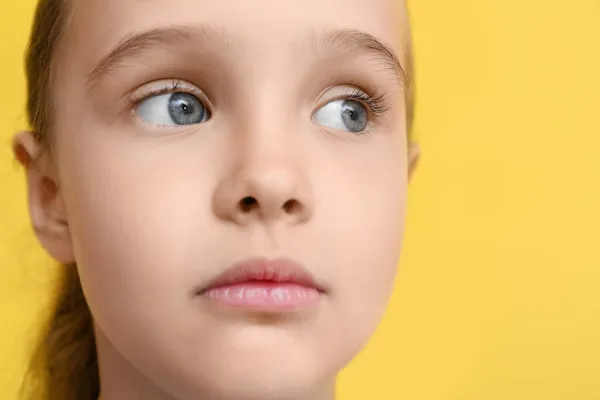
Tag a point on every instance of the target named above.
point(414, 154)
point(46, 209)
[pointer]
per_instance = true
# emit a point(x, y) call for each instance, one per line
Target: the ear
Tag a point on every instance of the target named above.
point(46, 208)
point(414, 154)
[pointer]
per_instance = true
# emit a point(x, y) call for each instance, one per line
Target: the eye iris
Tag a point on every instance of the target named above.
point(186, 109)
point(354, 116)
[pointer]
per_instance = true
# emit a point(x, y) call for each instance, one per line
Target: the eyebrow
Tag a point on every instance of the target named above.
point(356, 42)
point(139, 43)
point(346, 41)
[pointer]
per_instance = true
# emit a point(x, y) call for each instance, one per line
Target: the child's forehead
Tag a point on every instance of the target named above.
point(106, 22)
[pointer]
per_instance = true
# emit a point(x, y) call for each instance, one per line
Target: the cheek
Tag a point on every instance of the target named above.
point(368, 250)
point(138, 219)
point(358, 243)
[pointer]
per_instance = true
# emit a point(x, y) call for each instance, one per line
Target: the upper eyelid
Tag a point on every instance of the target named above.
point(164, 86)
point(375, 103)
point(344, 91)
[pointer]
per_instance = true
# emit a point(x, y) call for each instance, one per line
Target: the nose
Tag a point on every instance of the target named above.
point(263, 189)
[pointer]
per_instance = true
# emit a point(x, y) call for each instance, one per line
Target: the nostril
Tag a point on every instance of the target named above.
point(248, 203)
point(291, 206)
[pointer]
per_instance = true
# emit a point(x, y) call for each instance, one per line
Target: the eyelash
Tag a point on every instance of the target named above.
point(375, 102)
point(172, 86)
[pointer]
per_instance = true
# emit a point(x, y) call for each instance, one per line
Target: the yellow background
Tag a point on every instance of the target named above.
point(498, 295)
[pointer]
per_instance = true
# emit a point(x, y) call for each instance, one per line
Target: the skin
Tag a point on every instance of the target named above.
point(151, 212)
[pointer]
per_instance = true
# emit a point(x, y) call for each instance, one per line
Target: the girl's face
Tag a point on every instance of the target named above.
point(193, 135)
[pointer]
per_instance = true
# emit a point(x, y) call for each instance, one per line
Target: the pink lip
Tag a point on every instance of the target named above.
point(265, 285)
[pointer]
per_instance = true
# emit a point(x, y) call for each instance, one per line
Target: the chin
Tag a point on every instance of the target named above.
point(259, 367)
point(262, 362)
point(265, 379)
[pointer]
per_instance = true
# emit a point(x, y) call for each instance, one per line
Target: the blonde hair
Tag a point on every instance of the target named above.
point(64, 365)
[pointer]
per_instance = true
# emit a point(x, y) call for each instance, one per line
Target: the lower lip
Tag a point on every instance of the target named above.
point(272, 296)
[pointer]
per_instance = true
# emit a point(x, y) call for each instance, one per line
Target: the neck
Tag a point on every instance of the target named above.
point(119, 380)
point(329, 395)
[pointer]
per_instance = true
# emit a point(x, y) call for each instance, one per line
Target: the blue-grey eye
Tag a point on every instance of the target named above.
point(345, 115)
point(173, 109)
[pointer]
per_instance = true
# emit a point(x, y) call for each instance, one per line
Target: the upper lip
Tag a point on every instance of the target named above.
point(261, 269)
